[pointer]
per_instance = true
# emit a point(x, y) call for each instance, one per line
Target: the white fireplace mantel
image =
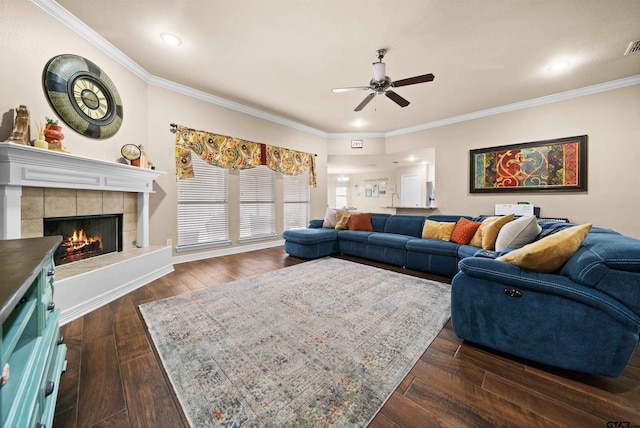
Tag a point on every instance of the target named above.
point(22, 165)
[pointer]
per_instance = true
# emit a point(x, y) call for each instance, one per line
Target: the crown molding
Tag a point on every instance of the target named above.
point(534, 102)
point(87, 33)
point(204, 96)
point(84, 31)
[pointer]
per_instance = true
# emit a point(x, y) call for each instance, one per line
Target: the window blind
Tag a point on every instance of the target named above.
point(257, 204)
point(296, 200)
point(203, 207)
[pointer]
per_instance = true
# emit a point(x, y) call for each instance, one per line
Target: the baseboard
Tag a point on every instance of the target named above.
point(227, 251)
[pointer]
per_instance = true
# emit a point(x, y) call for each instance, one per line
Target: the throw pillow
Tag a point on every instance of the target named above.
point(437, 230)
point(360, 221)
point(329, 218)
point(464, 231)
point(486, 235)
point(517, 233)
point(549, 254)
point(342, 219)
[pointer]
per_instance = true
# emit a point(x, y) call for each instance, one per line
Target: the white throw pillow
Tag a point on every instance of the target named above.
point(518, 233)
point(329, 218)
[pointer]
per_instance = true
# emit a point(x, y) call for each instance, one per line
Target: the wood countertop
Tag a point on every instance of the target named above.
point(21, 261)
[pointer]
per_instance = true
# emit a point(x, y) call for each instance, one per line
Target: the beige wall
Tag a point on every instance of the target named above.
point(611, 120)
point(29, 38)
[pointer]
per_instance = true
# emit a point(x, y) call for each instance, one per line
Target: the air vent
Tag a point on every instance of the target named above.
point(633, 47)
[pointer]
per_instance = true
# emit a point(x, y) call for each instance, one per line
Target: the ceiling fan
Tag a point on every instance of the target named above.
point(381, 84)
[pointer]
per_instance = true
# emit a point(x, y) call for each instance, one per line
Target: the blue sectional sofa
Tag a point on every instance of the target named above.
point(584, 316)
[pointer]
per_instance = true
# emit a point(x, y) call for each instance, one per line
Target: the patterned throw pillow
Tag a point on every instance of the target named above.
point(437, 230)
point(360, 221)
point(464, 231)
point(550, 253)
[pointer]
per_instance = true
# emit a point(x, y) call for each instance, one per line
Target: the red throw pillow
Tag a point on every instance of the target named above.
point(464, 231)
point(360, 221)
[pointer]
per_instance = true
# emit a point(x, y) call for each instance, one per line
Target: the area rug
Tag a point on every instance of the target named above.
point(321, 343)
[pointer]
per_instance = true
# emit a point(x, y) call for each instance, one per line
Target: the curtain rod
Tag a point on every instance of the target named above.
point(174, 129)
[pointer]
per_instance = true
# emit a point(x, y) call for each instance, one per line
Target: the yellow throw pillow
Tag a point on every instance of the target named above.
point(486, 235)
point(441, 230)
point(342, 219)
point(490, 232)
point(550, 253)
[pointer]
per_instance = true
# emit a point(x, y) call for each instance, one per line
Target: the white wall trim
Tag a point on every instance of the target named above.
point(66, 18)
point(226, 251)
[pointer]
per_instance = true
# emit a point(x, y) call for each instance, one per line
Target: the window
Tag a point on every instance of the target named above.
point(296, 201)
point(202, 207)
point(257, 204)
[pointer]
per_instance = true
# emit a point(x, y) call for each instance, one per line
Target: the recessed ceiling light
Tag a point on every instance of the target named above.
point(558, 66)
point(170, 39)
point(358, 123)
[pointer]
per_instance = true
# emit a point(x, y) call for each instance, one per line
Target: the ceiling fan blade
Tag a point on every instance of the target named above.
point(353, 88)
point(397, 98)
point(365, 101)
point(413, 80)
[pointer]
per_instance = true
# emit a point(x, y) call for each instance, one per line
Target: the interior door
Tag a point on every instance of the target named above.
point(410, 190)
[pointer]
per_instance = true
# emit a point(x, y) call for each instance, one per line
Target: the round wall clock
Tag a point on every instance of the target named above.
point(83, 96)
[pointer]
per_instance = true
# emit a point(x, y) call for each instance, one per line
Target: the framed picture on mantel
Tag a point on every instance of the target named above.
point(550, 165)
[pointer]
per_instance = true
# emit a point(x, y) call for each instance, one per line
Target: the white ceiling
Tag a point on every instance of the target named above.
point(283, 57)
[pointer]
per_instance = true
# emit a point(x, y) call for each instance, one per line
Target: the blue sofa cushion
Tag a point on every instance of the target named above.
point(390, 240)
point(467, 251)
point(447, 218)
point(433, 246)
point(310, 236)
point(354, 235)
point(316, 223)
point(410, 225)
point(378, 220)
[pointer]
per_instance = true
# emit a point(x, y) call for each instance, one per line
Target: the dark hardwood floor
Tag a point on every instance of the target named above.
point(114, 378)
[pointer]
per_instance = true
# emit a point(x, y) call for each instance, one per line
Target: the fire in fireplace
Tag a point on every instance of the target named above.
point(85, 236)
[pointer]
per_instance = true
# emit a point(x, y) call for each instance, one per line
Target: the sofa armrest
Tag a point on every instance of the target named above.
point(521, 279)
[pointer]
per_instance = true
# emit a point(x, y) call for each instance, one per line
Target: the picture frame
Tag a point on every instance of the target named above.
point(550, 165)
point(357, 144)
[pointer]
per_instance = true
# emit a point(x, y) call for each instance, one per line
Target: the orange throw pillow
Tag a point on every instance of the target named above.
point(360, 221)
point(464, 231)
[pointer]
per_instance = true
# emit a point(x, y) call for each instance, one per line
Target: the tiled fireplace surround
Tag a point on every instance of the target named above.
point(38, 203)
point(37, 184)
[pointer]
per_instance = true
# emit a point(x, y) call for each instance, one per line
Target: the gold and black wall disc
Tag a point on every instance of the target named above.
point(83, 96)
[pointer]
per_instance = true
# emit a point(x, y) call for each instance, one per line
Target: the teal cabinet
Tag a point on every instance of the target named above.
point(31, 351)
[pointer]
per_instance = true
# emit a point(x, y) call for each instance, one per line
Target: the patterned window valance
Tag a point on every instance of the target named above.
point(234, 153)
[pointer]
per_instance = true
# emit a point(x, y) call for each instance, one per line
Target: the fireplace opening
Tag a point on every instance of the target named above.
point(85, 236)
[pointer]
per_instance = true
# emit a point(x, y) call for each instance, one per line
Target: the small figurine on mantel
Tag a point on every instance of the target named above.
point(21, 133)
point(53, 136)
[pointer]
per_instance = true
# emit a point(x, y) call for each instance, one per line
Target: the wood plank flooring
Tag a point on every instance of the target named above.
point(114, 378)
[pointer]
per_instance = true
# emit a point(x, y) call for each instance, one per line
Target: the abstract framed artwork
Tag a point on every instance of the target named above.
point(558, 165)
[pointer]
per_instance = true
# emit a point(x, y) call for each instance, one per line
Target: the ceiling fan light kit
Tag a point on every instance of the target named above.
point(382, 84)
